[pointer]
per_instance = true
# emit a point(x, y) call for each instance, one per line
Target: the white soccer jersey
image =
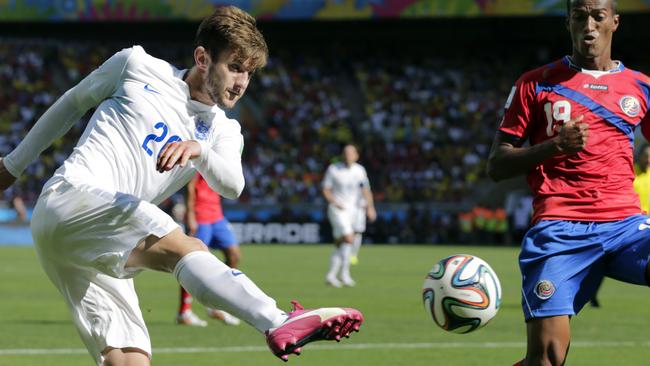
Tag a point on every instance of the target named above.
point(346, 183)
point(144, 104)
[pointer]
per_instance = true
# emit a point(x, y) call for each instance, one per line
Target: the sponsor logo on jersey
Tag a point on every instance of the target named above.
point(544, 289)
point(601, 87)
point(148, 88)
point(630, 105)
point(202, 130)
point(236, 273)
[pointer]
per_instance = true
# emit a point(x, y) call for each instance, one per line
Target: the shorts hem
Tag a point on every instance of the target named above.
point(548, 313)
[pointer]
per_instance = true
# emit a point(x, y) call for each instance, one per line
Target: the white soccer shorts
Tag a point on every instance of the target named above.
point(359, 224)
point(341, 221)
point(83, 237)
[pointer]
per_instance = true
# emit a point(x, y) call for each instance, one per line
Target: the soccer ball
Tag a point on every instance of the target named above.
point(461, 293)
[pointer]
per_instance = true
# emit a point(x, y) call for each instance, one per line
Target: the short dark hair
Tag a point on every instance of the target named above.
point(230, 28)
point(568, 6)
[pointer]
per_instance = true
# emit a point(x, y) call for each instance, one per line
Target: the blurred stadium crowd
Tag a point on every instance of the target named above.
point(423, 124)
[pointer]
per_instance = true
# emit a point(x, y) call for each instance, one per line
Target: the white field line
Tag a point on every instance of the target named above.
point(361, 346)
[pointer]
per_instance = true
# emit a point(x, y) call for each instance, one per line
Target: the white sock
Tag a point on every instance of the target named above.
point(345, 250)
point(216, 285)
point(335, 263)
point(356, 244)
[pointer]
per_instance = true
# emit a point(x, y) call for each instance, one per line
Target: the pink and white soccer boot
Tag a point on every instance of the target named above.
point(304, 326)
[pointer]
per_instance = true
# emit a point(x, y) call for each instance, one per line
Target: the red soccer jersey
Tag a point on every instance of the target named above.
point(207, 205)
point(596, 183)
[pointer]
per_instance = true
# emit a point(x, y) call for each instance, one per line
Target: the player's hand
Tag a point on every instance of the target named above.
point(177, 153)
point(372, 214)
point(572, 136)
point(6, 179)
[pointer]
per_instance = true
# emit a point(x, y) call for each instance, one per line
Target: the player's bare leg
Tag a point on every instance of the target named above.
point(125, 357)
point(548, 341)
point(185, 314)
point(231, 256)
point(162, 254)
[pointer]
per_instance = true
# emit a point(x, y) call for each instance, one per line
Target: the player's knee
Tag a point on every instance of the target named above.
point(163, 255)
point(194, 244)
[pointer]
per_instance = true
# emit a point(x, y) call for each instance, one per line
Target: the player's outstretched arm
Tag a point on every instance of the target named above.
point(508, 158)
point(6, 179)
point(66, 111)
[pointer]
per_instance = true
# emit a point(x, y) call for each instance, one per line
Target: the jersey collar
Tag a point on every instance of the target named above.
point(595, 73)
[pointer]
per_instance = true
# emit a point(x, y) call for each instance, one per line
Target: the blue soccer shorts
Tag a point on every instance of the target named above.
point(563, 262)
point(217, 235)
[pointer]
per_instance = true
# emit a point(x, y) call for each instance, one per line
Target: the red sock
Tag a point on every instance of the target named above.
point(186, 301)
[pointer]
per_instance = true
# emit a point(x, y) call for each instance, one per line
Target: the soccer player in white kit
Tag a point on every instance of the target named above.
point(96, 224)
point(347, 191)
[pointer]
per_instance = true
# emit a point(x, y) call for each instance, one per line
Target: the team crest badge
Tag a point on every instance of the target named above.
point(202, 130)
point(544, 289)
point(630, 105)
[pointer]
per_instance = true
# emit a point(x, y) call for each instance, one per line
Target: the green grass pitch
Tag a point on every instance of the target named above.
point(35, 328)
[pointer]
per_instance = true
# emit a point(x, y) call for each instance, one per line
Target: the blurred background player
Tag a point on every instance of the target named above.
point(205, 221)
point(15, 200)
point(345, 185)
point(579, 114)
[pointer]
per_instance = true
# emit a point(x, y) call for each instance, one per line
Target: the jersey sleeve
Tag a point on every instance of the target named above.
point(220, 163)
point(518, 108)
point(67, 110)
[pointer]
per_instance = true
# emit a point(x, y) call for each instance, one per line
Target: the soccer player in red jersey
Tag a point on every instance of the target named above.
point(578, 114)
